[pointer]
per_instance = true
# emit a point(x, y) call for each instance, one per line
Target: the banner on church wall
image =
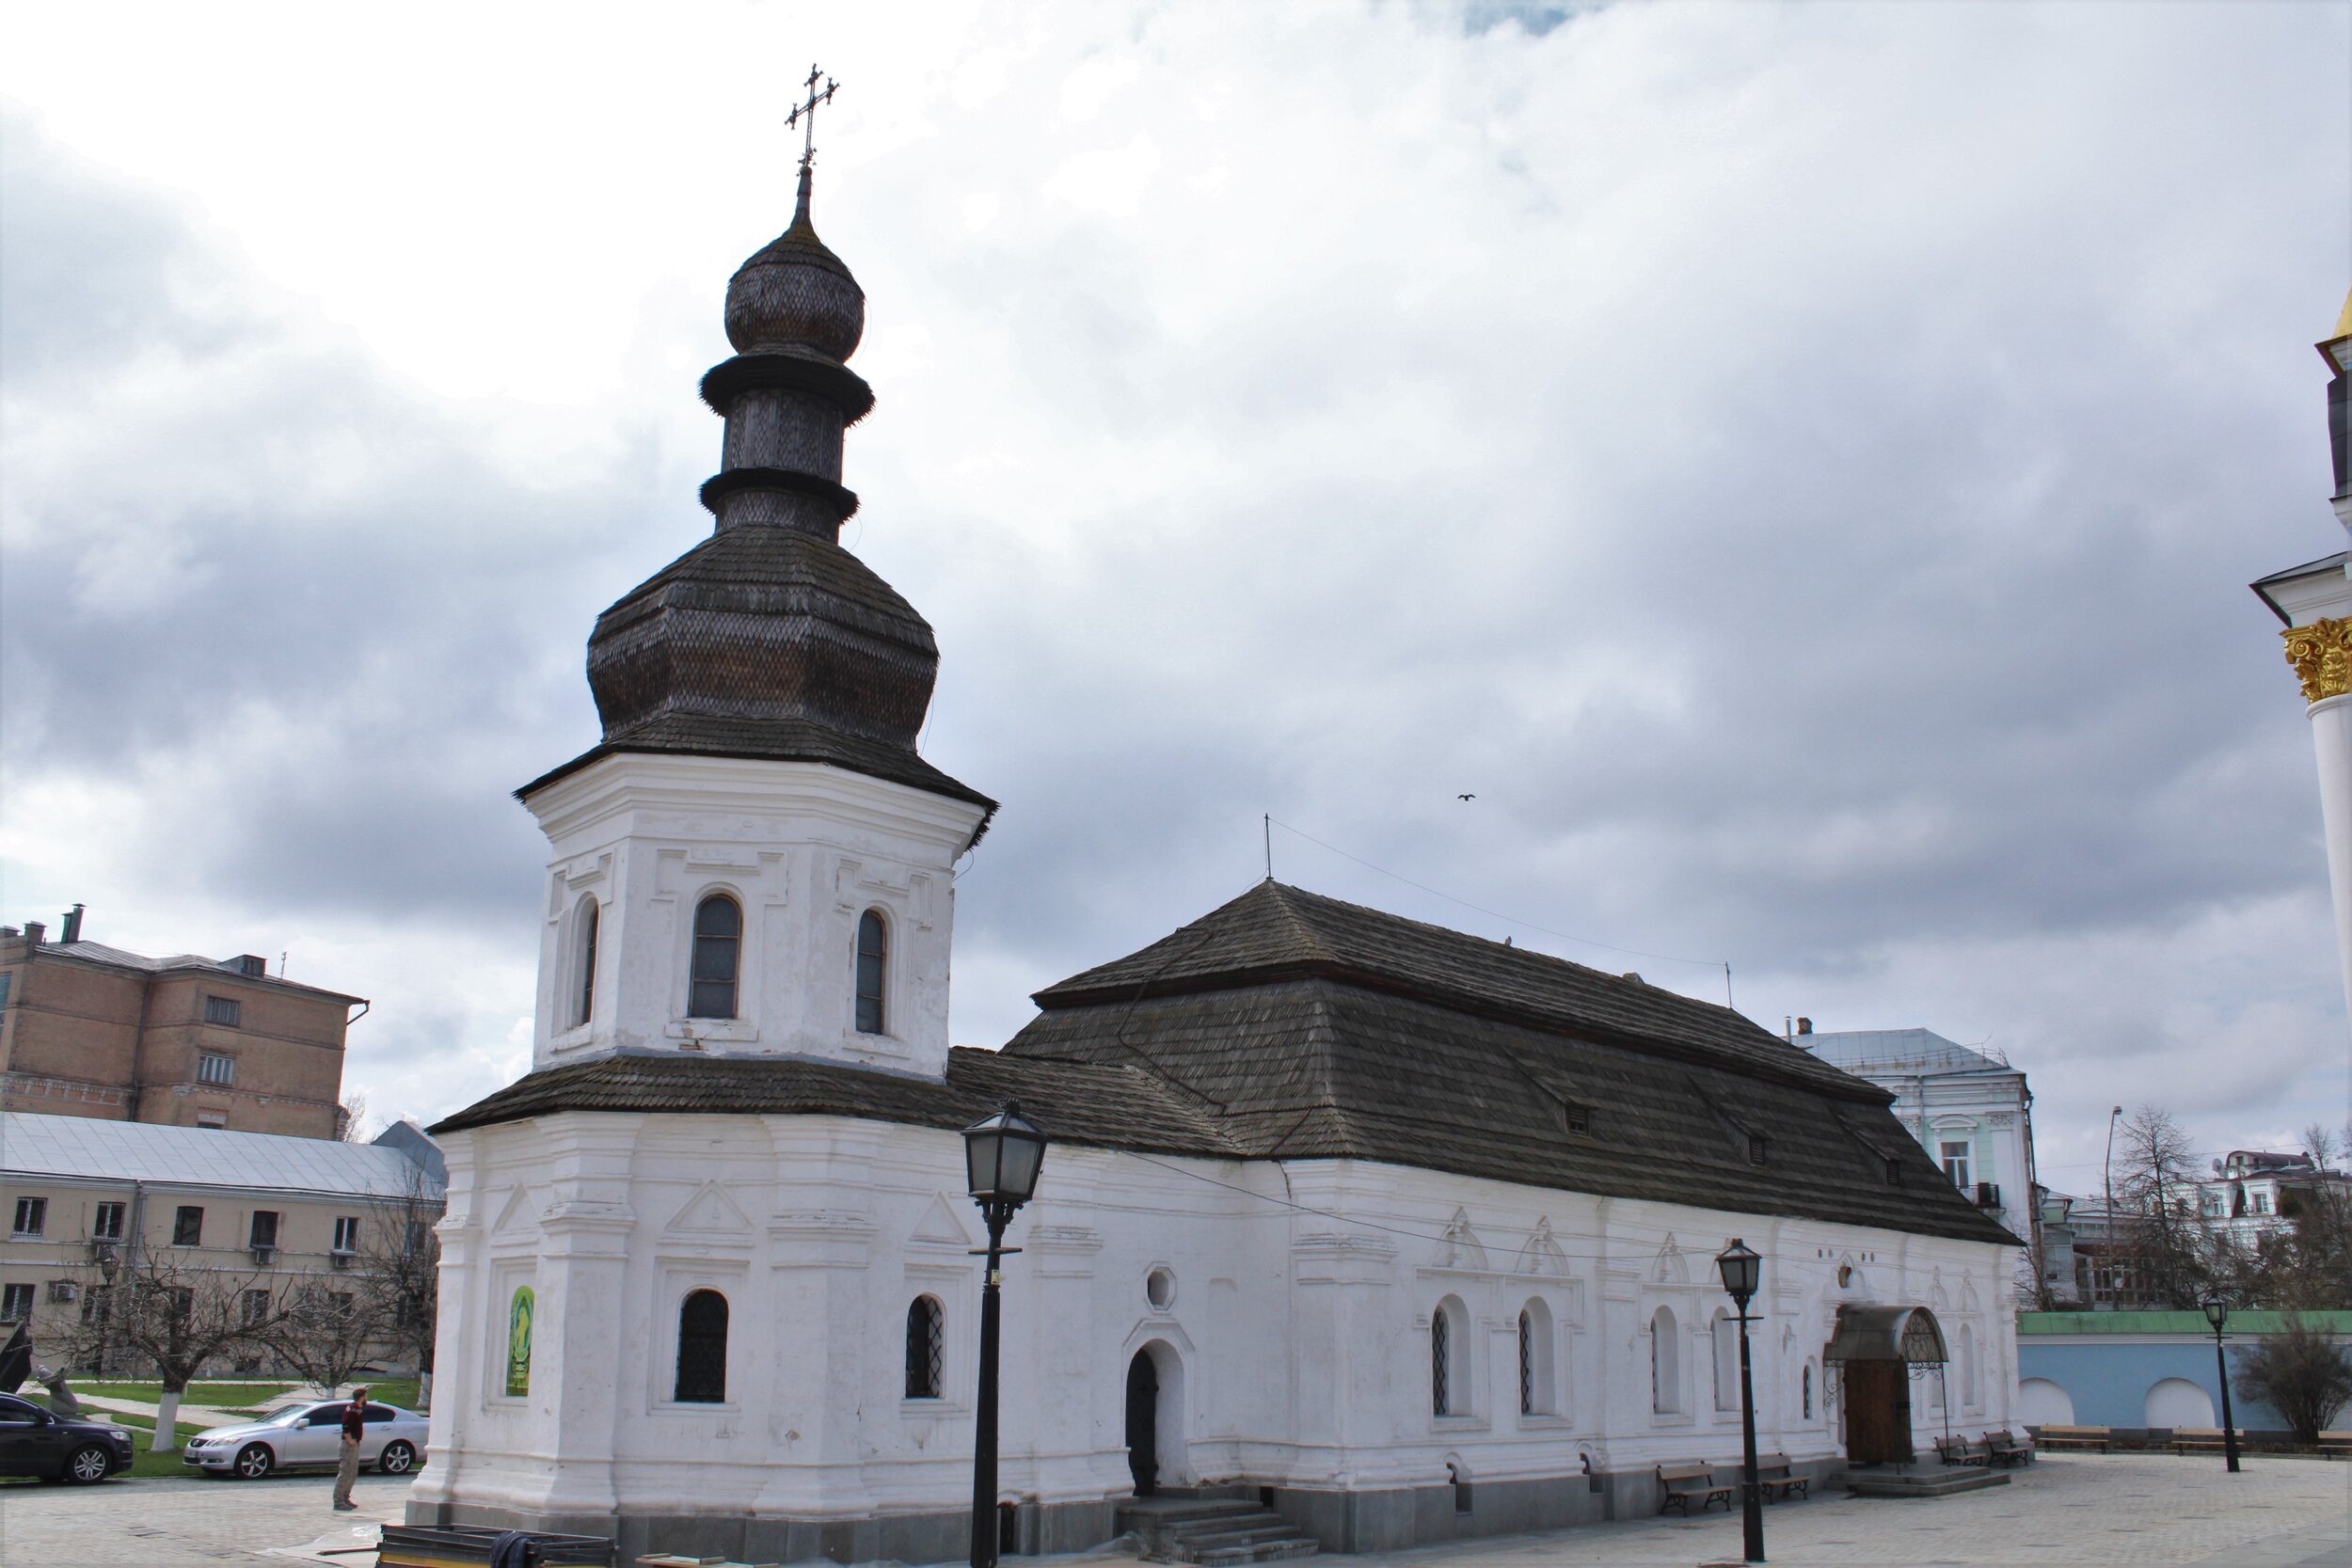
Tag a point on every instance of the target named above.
point(518, 1315)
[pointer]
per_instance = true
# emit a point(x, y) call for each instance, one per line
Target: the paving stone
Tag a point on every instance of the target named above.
point(2069, 1510)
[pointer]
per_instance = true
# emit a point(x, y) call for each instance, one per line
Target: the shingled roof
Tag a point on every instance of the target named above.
point(1287, 1025)
point(1321, 1029)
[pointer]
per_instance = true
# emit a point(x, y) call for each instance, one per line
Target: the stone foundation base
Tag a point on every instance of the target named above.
point(1383, 1520)
point(945, 1537)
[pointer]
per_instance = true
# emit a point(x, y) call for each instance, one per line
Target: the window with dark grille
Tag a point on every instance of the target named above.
point(873, 941)
point(1440, 1357)
point(1527, 1365)
point(1894, 1173)
point(188, 1226)
point(223, 1010)
point(346, 1233)
point(718, 946)
point(16, 1303)
point(587, 1009)
point(925, 1349)
point(107, 1223)
point(702, 1349)
point(1757, 1148)
point(264, 1231)
point(255, 1305)
point(213, 1068)
point(32, 1217)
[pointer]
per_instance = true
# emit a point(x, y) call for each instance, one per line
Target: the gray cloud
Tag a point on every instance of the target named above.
point(1799, 467)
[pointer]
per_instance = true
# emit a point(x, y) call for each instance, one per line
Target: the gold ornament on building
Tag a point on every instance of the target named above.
point(2322, 656)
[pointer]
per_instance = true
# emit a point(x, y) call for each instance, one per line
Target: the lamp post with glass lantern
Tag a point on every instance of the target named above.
point(1742, 1269)
point(2216, 1308)
point(1002, 1155)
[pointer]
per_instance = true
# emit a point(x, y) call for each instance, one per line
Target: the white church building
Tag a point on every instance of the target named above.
point(1406, 1234)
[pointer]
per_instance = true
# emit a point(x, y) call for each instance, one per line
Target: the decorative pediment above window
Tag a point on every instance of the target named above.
point(1543, 1254)
point(1461, 1249)
point(710, 1214)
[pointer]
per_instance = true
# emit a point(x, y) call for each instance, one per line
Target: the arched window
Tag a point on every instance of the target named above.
point(1449, 1359)
point(1665, 1363)
point(718, 951)
point(1536, 1393)
point(584, 959)
point(873, 945)
point(702, 1349)
point(1727, 1337)
point(1971, 1398)
point(925, 1349)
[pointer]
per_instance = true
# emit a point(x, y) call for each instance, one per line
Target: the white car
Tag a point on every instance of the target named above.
point(310, 1437)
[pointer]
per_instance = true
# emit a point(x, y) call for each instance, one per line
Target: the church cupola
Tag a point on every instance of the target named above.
point(752, 860)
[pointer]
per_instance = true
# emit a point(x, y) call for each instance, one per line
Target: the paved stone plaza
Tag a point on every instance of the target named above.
point(2069, 1510)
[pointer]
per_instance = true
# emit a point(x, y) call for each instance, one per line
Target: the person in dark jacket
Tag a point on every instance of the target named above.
point(347, 1462)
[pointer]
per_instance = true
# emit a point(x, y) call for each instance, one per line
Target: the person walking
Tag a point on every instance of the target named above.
point(347, 1462)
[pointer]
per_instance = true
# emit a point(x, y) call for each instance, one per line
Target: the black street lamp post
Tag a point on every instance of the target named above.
point(1002, 1156)
point(1742, 1269)
point(2216, 1308)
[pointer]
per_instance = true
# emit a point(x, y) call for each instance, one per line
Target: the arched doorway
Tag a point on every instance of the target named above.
point(1143, 1422)
point(1876, 1350)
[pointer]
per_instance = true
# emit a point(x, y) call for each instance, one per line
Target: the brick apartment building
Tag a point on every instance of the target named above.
point(87, 1030)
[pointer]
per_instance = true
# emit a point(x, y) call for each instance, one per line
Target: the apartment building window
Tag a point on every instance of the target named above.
point(346, 1233)
point(16, 1303)
point(2262, 1203)
point(1954, 1152)
point(213, 1067)
point(107, 1223)
point(227, 1011)
point(213, 1122)
point(32, 1217)
point(188, 1226)
point(256, 1307)
point(264, 1231)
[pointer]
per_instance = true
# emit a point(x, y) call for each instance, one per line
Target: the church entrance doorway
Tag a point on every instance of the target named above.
point(1143, 1422)
point(1876, 1350)
point(1877, 1413)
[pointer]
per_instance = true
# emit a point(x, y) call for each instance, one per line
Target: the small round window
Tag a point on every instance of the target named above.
point(1159, 1289)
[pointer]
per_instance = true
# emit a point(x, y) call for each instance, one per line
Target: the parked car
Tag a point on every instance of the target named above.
point(33, 1442)
point(308, 1437)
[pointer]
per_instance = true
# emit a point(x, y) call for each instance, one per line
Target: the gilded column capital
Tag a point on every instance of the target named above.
point(2322, 656)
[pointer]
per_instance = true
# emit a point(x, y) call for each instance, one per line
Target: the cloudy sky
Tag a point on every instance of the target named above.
point(1799, 467)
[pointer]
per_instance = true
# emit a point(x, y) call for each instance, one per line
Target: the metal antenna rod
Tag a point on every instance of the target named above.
point(1269, 846)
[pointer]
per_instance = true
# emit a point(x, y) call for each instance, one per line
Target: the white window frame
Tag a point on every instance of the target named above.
point(33, 1209)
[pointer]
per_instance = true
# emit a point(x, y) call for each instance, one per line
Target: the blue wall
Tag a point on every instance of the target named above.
point(2110, 1379)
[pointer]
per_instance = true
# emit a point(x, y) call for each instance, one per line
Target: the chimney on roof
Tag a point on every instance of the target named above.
point(1635, 977)
point(34, 932)
point(72, 932)
point(1804, 1026)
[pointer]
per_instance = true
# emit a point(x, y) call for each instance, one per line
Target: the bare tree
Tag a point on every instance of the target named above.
point(2300, 1373)
point(351, 1118)
point(401, 1255)
point(175, 1319)
point(327, 1333)
point(2159, 1230)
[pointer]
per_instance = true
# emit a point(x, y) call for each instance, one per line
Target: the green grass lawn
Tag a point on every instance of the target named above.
point(220, 1396)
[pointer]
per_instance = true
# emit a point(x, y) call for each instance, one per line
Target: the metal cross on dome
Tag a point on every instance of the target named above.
point(807, 111)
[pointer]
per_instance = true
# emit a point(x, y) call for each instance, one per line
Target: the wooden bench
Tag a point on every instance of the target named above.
point(2075, 1437)
point(2203, 1441)
point(2335, 1444)
point(1775, 1479)
point(1679, 1483)
point(2006, 1450)
point(1959, 1451)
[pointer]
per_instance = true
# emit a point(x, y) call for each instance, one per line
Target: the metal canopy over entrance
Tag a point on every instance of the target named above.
point(1906, 1333)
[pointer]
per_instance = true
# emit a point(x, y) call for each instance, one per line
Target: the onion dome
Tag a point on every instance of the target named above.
point(768, 640)
point(795, 295)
